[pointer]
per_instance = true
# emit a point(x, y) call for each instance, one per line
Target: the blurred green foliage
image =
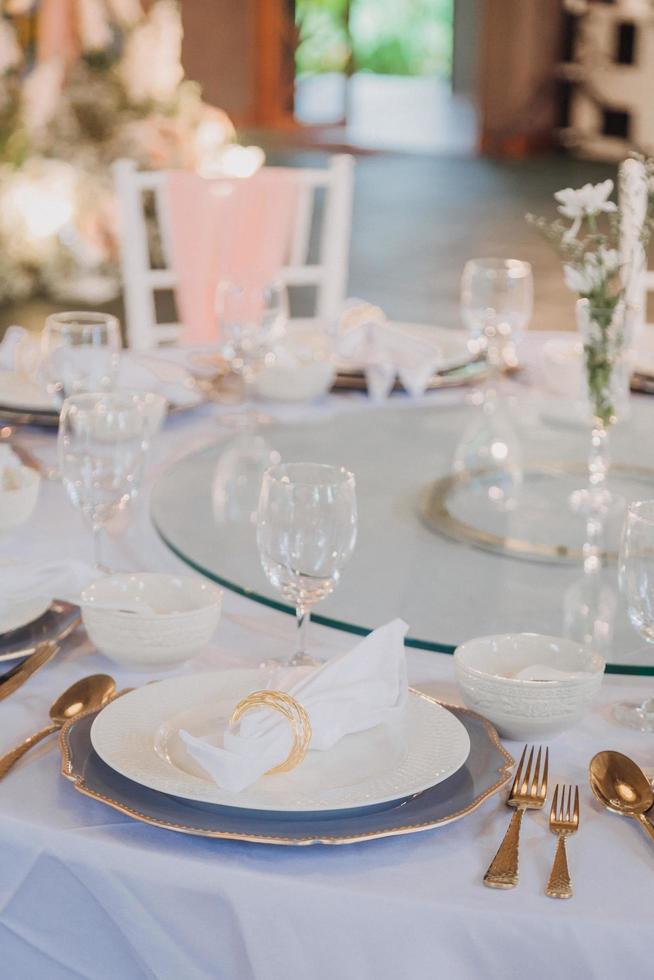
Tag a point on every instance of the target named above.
point(393, 37)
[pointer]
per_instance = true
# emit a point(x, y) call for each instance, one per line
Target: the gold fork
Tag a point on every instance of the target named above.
point(527, 793)
point(563, 822)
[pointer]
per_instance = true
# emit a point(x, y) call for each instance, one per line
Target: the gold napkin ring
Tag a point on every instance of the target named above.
point(292, 710)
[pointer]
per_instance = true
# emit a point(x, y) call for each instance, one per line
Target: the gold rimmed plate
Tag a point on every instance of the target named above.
point(485, 772)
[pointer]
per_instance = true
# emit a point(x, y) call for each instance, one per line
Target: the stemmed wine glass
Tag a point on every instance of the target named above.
point(497, 298)
point(103, 442)
point(80, 352)
point(636, 578)
point(250, 318)
point(306, 531)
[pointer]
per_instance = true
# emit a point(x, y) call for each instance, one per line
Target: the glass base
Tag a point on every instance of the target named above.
point(297, 660)
point(637, 716)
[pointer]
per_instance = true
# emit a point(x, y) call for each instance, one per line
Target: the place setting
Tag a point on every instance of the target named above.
point(326, 499)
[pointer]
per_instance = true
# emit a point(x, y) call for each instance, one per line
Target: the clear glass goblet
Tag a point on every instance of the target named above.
point(636, 578)
point(250, 320)
point(306, 532)
point(80, 352)
point(102, 445)
point(497, 299)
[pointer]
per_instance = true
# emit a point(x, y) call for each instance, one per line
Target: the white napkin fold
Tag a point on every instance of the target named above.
point(20, 351)
point(166, 373)
point(385, 350)
point(24, 581)
point(365, 687)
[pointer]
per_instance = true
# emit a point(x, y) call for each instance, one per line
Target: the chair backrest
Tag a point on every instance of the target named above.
point(327, 274)
point(638, 279)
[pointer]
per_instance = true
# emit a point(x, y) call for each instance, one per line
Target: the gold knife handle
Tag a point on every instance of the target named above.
point(559, 885)
point(646, 824)
point(7, 761)
point(43, 654)
point(503, 870)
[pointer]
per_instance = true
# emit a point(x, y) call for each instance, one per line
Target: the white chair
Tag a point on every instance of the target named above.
point(328, 274)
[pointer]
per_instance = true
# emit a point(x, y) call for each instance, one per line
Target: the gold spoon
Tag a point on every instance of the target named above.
point(84, 695)
point(622, 786)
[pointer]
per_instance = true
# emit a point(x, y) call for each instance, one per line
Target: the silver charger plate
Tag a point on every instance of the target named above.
point(56, 623)
point(485, 772)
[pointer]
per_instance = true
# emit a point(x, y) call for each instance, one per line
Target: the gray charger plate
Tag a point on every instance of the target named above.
point(487, 769)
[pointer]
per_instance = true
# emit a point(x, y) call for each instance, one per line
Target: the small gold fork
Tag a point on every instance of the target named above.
point(563, 822)
point(527, 793)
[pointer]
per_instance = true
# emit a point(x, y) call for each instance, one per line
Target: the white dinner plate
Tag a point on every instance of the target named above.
point(21, 614)
point(453, 344)
point(137, 736)
point(23, 394)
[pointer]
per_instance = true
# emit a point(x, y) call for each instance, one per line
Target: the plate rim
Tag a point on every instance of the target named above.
point(77, 779)
point(65, 632)
point(277, 809)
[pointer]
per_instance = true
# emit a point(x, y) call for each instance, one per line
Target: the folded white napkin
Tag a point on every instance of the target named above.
point(24, 581)
point(384, 350)
point(166, 374)
point(20, 351)
point(365, 687)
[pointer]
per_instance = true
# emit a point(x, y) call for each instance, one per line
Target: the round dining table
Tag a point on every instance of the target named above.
point(88, 892)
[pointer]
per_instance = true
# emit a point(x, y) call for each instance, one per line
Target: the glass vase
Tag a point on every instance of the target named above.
point(606, 334)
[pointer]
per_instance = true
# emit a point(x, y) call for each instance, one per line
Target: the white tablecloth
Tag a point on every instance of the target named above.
point(87, 892)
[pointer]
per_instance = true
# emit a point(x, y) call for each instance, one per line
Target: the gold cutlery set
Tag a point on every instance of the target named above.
point(617, 783)
point(529, 792)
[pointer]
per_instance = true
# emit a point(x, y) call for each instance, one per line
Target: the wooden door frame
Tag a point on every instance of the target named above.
point(275, 39)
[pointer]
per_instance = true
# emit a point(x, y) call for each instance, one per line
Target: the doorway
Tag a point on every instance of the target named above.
point(379, 73)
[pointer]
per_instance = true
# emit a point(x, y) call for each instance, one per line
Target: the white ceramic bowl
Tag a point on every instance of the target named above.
point(303, 368)
point(528, 709)
point(179, 615)
point(19, 490)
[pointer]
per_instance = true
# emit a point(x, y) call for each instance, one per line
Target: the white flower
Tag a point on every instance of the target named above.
point(151, 66)
point(586, 201)
point(94, 30)
point(10, 53)
point(589, 200)
point(597, 268)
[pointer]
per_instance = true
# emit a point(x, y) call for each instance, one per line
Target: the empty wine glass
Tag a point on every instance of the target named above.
point(306, 531)
point(250, 319)
point(636, 578)
point(102, 444)
point(497, 297)
point(80, 352)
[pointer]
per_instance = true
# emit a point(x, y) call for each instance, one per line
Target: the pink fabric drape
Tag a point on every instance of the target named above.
point(221, 229)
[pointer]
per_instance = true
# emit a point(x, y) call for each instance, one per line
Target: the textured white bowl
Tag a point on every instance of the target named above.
point(303, 368)
point(19, 490)
point(528, 709)
point(180, 615)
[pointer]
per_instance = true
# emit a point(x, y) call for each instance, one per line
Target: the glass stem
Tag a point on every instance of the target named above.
point(303, 616)
point(98, 563)
point(598, 461)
